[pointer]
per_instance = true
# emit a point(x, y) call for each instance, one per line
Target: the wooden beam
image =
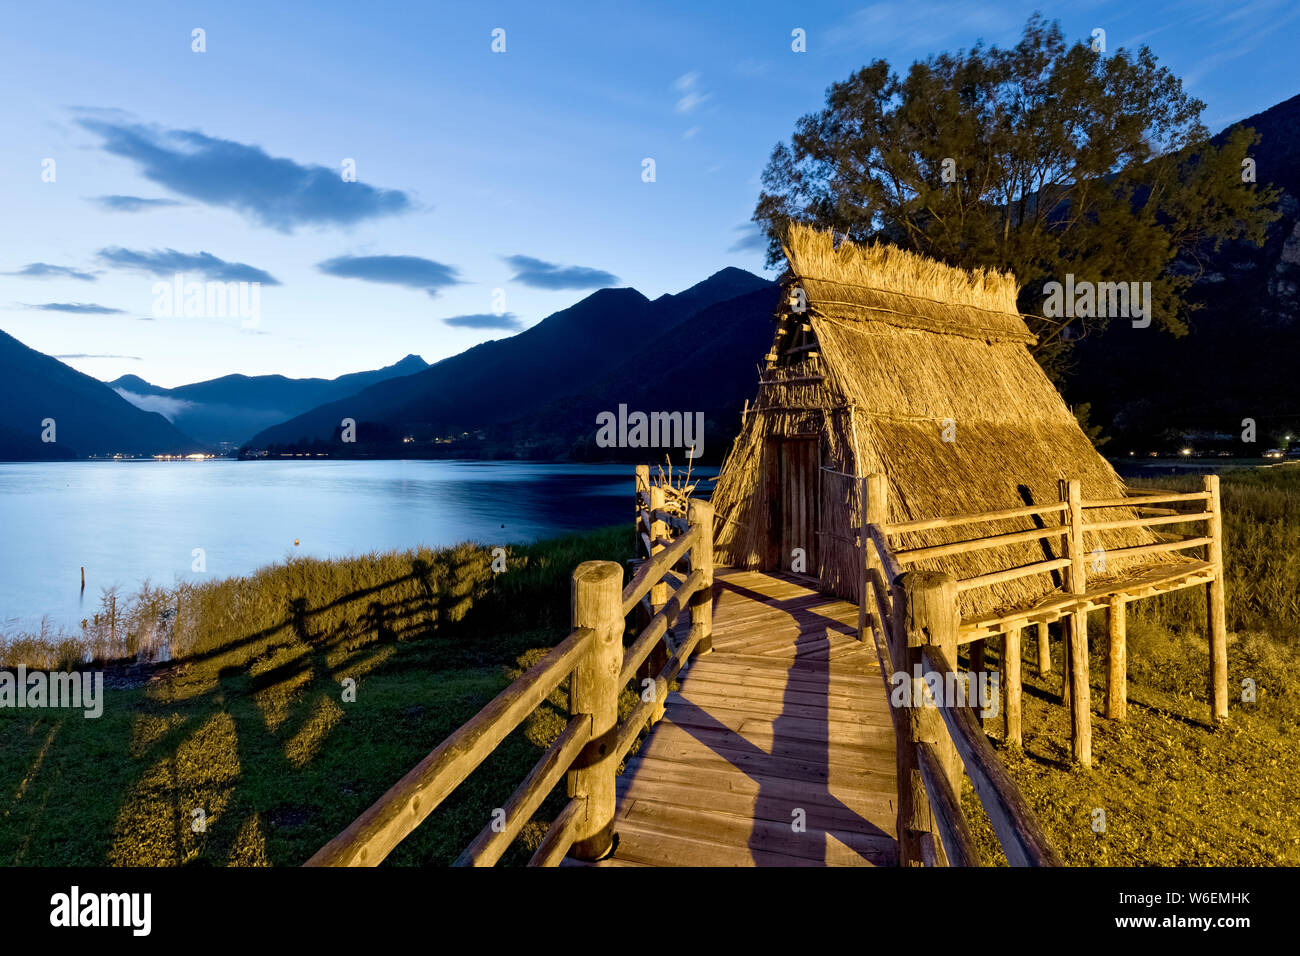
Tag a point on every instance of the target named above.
point(560, 834)
point(945, 805)
point(924, 524)
point(912, 555)
point(372, 836)
point(491, 842)
point(1216, 604)
point(1137, 500)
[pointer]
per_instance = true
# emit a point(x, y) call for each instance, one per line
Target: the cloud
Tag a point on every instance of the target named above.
point(547, 275)
point(43, 270)
point(164, 405)
point(269, 190)
point(167, 262)
point(486, 320)
point(413, 272)
point(751, 238)
point(688, 85)
point(77, 308)
point(690, 133)
point(86, 355)
point(132, 203)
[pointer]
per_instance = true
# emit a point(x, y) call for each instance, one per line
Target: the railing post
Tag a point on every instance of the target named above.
point(593, 689)
point(658, 596)
point(1215, 604)
point(700, 517)
point(874, 509)
point(925, 612)
point(864, 552)
point(1076, 630)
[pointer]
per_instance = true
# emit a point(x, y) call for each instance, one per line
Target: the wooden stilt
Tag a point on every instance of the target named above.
point(1216, 604)
point(1076, 670)
point(1116, 659)
point(1011, 687)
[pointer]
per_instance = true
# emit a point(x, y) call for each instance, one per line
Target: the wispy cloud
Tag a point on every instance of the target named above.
point(691, 96)
point(486, 320)
point(164, 405)
point(270, 190)
point(750, 238)
point(413, 272)
point(132, 203)
point(167, 262)
point(86, 355)
point(901, 27)
point(43, 270)
point(76, 308)
point(548, 275)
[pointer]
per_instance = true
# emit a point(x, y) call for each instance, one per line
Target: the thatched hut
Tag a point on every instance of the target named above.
point(888, 363)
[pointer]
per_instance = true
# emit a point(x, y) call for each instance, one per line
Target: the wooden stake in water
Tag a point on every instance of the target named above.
point(83, 579)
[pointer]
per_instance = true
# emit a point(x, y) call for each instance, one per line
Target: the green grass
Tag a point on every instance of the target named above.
point(250, 725)
point(1174, 789)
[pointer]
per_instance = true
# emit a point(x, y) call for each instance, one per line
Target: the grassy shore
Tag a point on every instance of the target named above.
point(248, 726)
point(1175, 790)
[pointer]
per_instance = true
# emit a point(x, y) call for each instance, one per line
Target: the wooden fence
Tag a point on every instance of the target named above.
point(917, 613)
point(593, 743)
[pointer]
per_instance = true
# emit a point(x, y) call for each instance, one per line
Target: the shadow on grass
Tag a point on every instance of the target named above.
point(257, 736)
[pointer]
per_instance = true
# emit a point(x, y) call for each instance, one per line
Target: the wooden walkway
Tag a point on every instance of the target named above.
point(777, 750)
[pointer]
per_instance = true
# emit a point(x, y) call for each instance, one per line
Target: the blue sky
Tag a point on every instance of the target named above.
point(475, 171)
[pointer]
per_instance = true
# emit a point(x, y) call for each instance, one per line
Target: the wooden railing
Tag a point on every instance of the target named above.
point(918, 615)
point(593, 743)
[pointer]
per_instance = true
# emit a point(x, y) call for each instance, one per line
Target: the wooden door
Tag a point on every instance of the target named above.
point(799, 470)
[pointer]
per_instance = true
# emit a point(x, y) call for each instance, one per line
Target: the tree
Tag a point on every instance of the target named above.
point(1041, 160)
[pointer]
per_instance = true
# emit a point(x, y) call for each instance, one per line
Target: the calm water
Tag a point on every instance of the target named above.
point(131, 521)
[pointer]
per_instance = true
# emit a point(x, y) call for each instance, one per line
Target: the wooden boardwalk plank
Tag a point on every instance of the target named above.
point(777, 749)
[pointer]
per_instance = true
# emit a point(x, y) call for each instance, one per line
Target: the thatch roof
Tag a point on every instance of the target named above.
point(906, 346)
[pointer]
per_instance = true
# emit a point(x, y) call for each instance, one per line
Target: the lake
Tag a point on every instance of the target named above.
point(128, 521)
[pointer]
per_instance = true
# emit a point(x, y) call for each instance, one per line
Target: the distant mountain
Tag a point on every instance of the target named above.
point(709, 364)
point(233, 407)
point(1149, 390)
point(489, 385)
point(89, 417)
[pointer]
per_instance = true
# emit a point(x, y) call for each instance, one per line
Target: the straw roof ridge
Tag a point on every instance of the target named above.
point(884, 268)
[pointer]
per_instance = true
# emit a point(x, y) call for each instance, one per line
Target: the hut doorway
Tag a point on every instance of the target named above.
point(798, 471)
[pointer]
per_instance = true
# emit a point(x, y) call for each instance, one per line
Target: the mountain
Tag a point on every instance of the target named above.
point(707, 365)
point(230, 408)
point(89, 417)
point(487, 386)
point(1149, 390)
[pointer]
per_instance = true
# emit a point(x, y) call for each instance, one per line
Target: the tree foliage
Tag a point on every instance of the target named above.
point(1060, 159)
